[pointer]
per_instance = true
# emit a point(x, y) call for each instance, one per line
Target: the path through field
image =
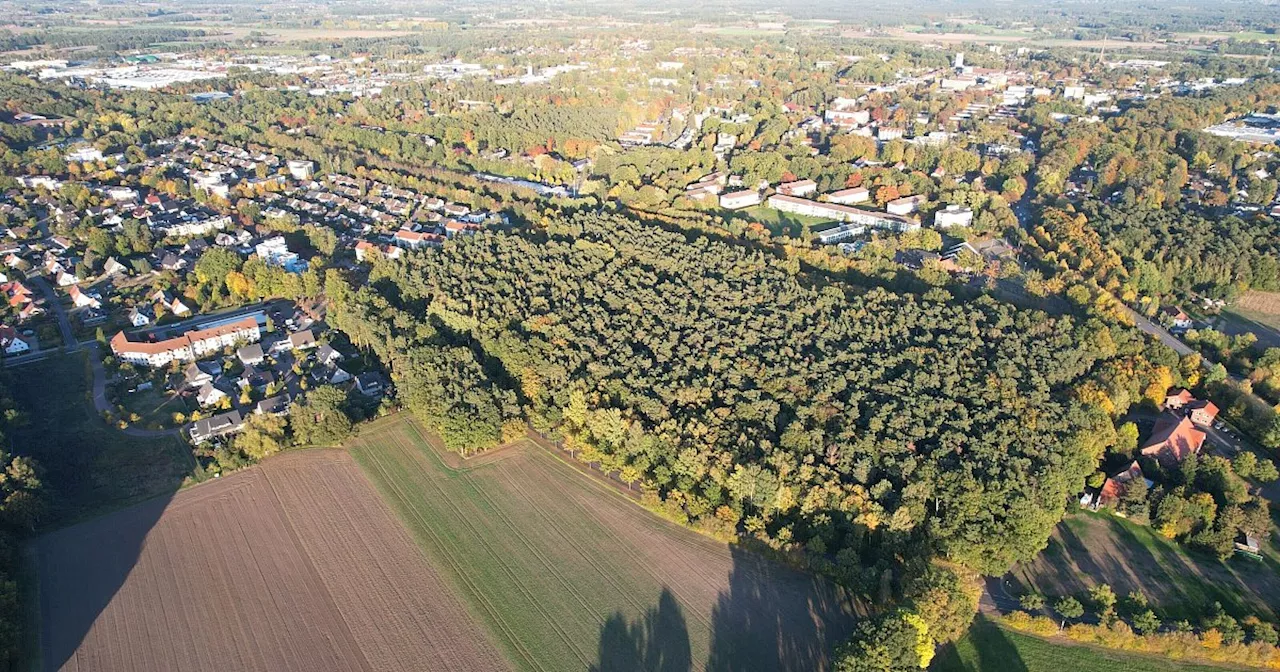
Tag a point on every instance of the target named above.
point(293, 565)
point(570, 575)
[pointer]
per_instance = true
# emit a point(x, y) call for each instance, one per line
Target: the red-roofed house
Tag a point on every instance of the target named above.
point(83, 299)
point(1179, 398)
point(1203, 413)
point(1113, 488)
point(1173, 439)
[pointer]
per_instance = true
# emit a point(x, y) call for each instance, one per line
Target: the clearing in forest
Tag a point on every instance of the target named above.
point(293, 565)
point(569, 574)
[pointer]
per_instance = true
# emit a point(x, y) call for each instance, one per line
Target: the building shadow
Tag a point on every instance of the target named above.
point(658, 641)
point(776, 618)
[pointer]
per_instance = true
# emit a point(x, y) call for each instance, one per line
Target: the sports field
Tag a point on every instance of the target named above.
point(569, 574)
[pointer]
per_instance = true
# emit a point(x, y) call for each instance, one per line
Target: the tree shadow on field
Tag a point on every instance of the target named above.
point(776, 618)
point(80, 569)
point(656, 642)
point(89, 468)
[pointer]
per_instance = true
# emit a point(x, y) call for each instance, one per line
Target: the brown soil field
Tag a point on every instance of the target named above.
point(1260, 302)
point(293, 565)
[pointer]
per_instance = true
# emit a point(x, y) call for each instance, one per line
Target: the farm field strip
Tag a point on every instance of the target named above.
point(617, 541)
point(554, 562)
point(497, 533)
point(293, 565)
point(443, 547)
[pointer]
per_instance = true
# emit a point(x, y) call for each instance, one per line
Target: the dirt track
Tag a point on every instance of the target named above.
point(295, 565)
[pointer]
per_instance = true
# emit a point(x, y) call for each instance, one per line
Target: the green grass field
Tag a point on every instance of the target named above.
point(89, 467)
point(991, 648)
point(1091, 548)
point(568, 573)
point(782, 223)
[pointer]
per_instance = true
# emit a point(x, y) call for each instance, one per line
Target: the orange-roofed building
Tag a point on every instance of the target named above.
point(1178, 398)
point(1173, 439)
point(1203, 413)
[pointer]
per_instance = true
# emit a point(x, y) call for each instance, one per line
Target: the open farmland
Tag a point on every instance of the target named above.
point(295, 565)
point(570, 575)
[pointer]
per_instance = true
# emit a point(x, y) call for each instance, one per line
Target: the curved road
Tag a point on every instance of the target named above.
point(102, 405)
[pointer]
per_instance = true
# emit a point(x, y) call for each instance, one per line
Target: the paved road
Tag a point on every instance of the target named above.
point(64, 321)
point(995, 598)
point(1159, 332)
point(102, 405)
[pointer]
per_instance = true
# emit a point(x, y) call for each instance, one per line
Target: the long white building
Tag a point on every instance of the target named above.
point(843, 213)
point(190, 346)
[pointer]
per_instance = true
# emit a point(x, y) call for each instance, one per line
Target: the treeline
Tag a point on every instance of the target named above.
point(1179, 251)
point(851, 428)
point(22, 504)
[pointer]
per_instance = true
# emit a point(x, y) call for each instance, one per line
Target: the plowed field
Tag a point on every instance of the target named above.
point(568, 574)
point(294, 565)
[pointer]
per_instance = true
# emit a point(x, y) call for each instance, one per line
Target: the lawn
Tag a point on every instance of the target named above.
point(782, 223)
point(1090, 548)
point(89, 467)
point(990, 648)
point(568, 573)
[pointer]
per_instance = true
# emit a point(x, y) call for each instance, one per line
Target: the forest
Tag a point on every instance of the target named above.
point(854, 427)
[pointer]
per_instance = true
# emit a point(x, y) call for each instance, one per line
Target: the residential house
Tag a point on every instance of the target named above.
point(141, 316)
point(210, 395)
point(172, 262)
point(196, 377)
point(29, 311)
point(113, 267)
point(170, 303)
point(370, 384)
point(1113, 488)
point(1175, 317)
point(17, 293)
point(217, 426)
point(257, 379)
point(11, 342)
point(65, 279)
point(83, 299)
point(326, 355)
point(1173, 439)
point(1202, 412)
point(1177, 399)
point(301, 340)
point(277, 405)
point(251, 355)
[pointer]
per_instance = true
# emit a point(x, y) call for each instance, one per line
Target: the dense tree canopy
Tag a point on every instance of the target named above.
point(843, 422)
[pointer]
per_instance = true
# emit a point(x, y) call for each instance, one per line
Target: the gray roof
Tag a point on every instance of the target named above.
point(302, 339)
point(250, 353)
point(218, 425)
point(276, 405)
